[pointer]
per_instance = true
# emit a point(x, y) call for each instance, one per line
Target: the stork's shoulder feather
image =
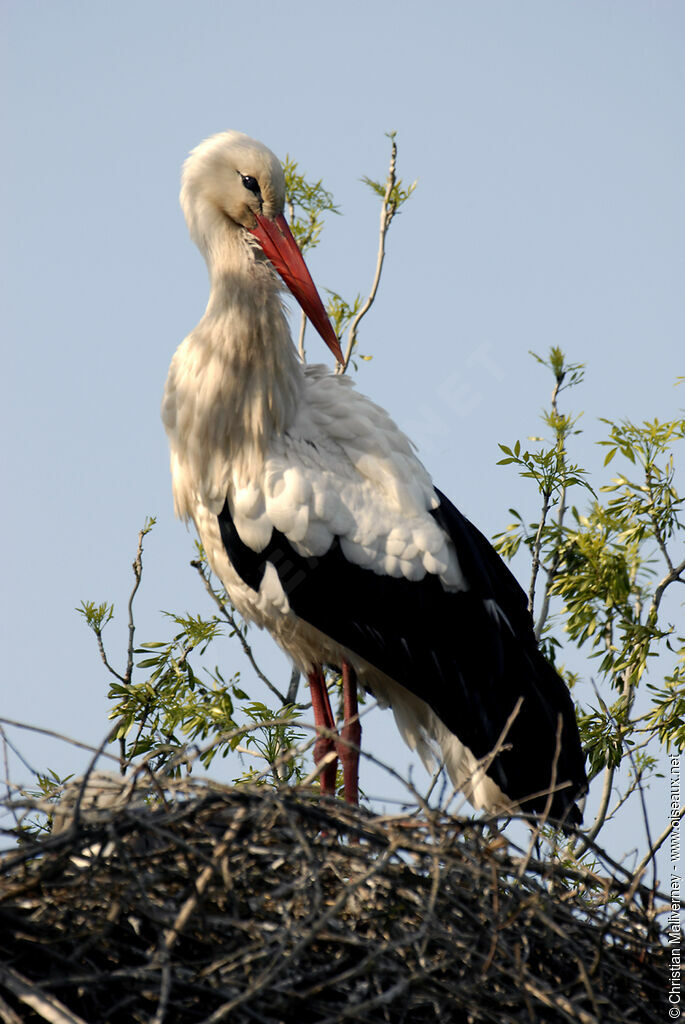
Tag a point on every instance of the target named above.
point(344, 470)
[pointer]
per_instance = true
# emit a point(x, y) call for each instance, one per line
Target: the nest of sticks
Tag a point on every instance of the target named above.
point(182, 902)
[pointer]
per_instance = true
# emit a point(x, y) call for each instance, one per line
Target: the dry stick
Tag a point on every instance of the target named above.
point(89, 771)
point(356, 1009)
point(184, 914)
point(8, 745)
point(535, 833)
point(387, 213)
point(6, 780)
point(164, 993)
point(46, 1006)
point(55, 735)
point(556, 1001)
point(268, 974)
point(659, 842)
point(7, 1014)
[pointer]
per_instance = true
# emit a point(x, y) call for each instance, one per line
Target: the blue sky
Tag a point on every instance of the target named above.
point(547, 141)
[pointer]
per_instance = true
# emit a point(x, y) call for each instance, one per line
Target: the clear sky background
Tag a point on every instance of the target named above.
point(547, 138)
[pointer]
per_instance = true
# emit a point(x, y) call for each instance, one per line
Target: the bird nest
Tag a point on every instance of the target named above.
point(184, 902)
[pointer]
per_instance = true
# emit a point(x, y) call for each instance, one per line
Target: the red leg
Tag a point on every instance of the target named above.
point(323, 718)
point(351, 734)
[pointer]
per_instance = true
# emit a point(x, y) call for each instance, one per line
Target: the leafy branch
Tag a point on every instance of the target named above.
point(393, 196)
point(600, 563)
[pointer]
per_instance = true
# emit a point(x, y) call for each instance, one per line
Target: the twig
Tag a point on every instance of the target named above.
point(551, 570)
point(57, 736)
point(103, 654)
point(537, 544)
point(47, 1006)
point(655, 525)
point(388, 209)
point(550, 797)
point(188, 908)
point(138, 574)
point(674, 576)
point(7, 1014)
point(656, 846)
point(590, 836)
point(559, 379)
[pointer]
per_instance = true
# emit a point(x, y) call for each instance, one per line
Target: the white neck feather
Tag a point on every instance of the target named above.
point(235, 382)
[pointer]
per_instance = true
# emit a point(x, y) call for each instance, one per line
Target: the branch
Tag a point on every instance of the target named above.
point(388, 209)
point(551, 571)
point(44, 1004)
point(537, 544)
point(659, 842)
point(600, 817)
point(103, 654)
point(655, 523)
point(138, 573)
point(55, 736)
point(674, 576)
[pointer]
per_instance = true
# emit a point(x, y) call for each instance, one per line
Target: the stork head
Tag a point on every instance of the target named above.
point(233, 185)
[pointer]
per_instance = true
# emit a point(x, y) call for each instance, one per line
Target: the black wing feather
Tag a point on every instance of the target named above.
point(470, 655)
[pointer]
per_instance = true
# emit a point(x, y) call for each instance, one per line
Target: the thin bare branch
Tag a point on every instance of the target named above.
point(55, 735)
point(388, 209)
point(590, 836)
point(103, 654)
point(138, 574)
point(674, 576)
point(659, 842)
point(551, 569)
point(537, 544)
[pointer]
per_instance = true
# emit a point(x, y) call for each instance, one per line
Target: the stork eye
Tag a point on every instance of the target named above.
point(250, 183)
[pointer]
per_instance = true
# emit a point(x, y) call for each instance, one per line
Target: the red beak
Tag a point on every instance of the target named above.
point(276, 239)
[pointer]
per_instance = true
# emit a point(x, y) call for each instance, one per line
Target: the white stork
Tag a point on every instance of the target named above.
point(326, 529)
